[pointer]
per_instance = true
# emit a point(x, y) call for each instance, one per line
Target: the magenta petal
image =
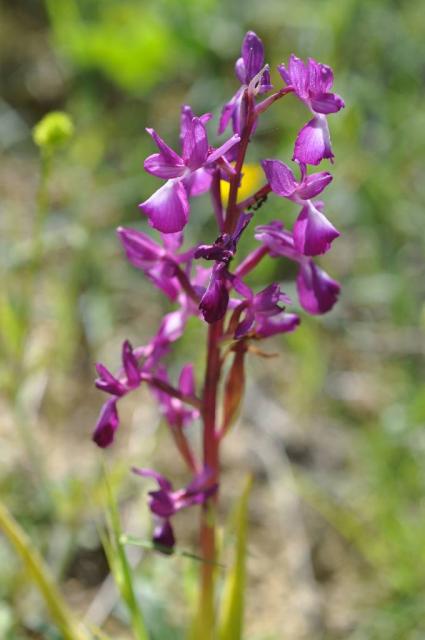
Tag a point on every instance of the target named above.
point(168, 208)
point(320, 76)
point(280, 177)
point(158, 166)
point(197, 182)
point(223, 149)
point(313, 233)
point(195, 144)
point(165, 164)
point(326, 103)
point(268, 326)
point(313, 142)
point(252, 54)
point(107, 424)
point(215, 300)
point(316, 290)
point(140, 249)
point(163, 483)
point(130, 365)
point(299, 76)
point(314, 184)
point(284, 73)
point(187, 380)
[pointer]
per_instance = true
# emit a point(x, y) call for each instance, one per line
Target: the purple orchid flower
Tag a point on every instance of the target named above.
point(177, 414)
point(165, 502)
point(313, 233)
point(317, 291)
point(249, 67)
point(158, 263)
point(168, 208)
point(312, 83)
point(264, 304)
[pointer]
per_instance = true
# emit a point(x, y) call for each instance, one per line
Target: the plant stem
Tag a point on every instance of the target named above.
point(211, 460)
point(232, 207)
point(251, 261)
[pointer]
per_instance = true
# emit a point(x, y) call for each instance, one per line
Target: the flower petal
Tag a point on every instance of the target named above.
point(313, 142)
point(271, 325)
point(314, 184)
point(326, 103)
point(313, 233)
point(187, 380)
point(163, 534)
point(195, 144)
point(130, 365)
point(298, 73)
point(107, 424)
point(316, 290)
point(282, 180)
point(162, 481)
point(197, 182)
point(252, 54)
point(165, 164)
point(168, 208)
point(140, 249)
point(320, 76)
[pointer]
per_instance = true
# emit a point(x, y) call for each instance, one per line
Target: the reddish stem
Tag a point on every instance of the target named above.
point(211, 460)
point(251, 261)
point(172, 391)
point(255, 198)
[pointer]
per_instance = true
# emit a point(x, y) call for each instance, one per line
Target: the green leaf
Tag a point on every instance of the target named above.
point(70, 626)
point(233, 599)
point(120, 567)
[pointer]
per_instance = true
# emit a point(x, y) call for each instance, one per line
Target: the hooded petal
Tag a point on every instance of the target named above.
point(313, 233)
point(252, 54)
point(320, 76)
point(107, 424)
point(298, 73)
point(313, 142)
point(282, 180)
point(195, 144)
point(168, 208)
point(316, 290)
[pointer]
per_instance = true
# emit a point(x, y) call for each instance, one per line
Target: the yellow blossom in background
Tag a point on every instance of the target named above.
point(252, 179)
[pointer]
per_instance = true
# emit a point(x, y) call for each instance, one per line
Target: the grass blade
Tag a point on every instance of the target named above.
point(35, 566)
point(233, 600)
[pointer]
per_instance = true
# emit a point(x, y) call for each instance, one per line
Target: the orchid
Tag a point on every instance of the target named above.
point(311, 83)
point(208, 282)
point(313, 233)
point(187, 175)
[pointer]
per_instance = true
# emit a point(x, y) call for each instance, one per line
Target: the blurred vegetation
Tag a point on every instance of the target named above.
point(353, 382)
